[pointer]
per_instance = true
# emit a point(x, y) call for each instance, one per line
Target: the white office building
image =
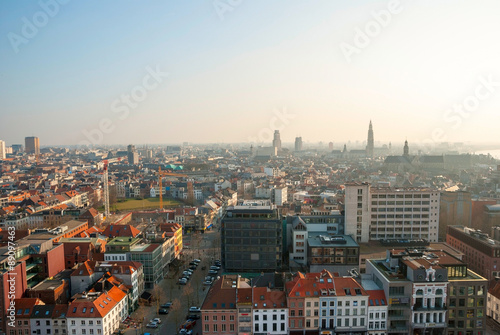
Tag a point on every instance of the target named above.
point(391, 213)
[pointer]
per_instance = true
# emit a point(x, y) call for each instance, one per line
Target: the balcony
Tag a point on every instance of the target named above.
point(397, 317)
point(427, 309)
point(398, 329)
point(399, 306)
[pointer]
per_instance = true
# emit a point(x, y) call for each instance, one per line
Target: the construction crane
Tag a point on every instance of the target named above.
point(160, 176)
point(105, 182)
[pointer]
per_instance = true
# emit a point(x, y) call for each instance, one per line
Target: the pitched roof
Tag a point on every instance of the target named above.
point(121, 231)
point(220, 296)
point(95, 305)
point(377, 298)
point(495, 290)
point(84, 269)
point(263, 297)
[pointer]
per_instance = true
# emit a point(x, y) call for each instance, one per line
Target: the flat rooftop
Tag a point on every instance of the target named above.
point(123, 241)
point(477, 235)
point(324, 240)
point(50, 284)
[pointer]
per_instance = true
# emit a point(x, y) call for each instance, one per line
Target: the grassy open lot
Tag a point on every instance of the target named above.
point(148, 203)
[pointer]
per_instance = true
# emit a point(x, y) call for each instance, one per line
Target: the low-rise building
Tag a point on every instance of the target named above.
point(96, 312)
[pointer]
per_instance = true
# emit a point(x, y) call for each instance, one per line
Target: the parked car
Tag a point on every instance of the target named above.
point(192, 267)
point(157, 320)
point(152, 325)
point(193, 316)
point(193, 263)
point(207, 282)
point(166, 305)
point(194, 309)
point(213, 267)
point(183, 281)
point(212, 272)
point(189, 324)
point(196, 260)
point(162, 311)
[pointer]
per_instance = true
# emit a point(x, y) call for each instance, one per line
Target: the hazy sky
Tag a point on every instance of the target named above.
point(419, 70)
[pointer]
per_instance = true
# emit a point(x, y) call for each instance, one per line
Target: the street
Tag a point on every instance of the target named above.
point(199, 246)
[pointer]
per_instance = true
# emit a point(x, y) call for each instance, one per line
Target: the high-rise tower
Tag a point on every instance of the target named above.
point(370, 143)
point(133, 156)
point(298, 143)
point(277, 140)
point(32, 145)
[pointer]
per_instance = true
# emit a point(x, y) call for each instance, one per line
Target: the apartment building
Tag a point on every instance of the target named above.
point(97, 312)
point(270, 314)
point(299, 227)
point(391, 213)
point(429, 292)
point(48, 319)
point(377, 312)
point(32, 145)
point(320, 301)
point(219, 311)
point(493, 304)
point(2, 150)
point(481, 253)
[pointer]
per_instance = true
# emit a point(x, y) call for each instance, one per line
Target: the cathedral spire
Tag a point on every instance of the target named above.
point(406, 149)
point(370, 143)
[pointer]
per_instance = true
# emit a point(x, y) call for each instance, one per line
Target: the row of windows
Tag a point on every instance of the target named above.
point(469, 290)
point(273, 327)
point(401, 196)
point(400, 203)
point(222, 327)
point(471, 302)
point(341, 322)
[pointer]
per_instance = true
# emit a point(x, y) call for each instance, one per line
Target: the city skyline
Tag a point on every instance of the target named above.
point(169, 73)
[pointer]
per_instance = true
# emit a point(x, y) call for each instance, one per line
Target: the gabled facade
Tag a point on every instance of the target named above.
point(97, 312)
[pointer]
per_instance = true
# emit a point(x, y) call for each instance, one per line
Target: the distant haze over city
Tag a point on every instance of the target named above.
point(120, 72)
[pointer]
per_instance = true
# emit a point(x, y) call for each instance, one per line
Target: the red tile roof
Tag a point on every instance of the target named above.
point(220, 296)
point(99, 306)
point(377, 298)
point(121, 231)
